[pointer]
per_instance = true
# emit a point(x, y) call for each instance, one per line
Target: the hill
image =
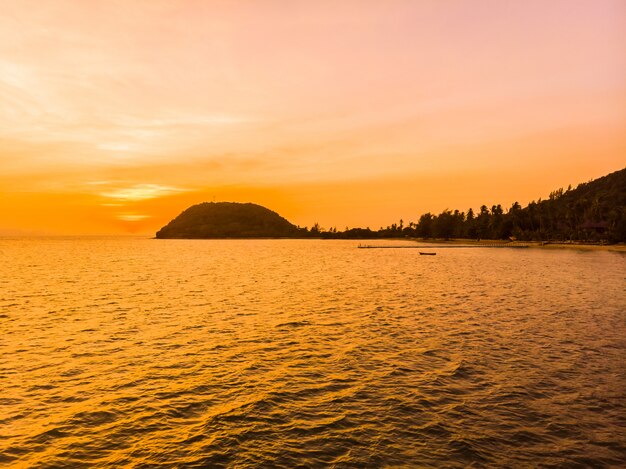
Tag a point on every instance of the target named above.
point(228, 220)
point(594, 211)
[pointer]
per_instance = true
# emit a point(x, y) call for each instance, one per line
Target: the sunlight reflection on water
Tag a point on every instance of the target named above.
point(286, 352)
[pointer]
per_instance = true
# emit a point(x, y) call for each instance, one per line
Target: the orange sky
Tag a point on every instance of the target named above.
point(117, 115)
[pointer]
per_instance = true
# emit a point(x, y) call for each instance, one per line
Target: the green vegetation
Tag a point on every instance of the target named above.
point(592, 212)
point(228, 220)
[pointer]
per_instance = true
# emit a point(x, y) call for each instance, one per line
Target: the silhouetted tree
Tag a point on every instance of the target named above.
point(425, 226)
point(443, 225)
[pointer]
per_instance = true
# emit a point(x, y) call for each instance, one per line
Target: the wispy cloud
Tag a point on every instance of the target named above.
point(132, 216)
point(141, 192)
point(117, 146)
point(99, 183)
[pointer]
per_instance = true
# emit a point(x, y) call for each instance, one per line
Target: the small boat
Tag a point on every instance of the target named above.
point(428, 253)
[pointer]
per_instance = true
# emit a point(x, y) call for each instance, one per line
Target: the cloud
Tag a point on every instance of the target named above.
point(117, 147)
point(132, 216)
point(98, 183)
point(141, 192)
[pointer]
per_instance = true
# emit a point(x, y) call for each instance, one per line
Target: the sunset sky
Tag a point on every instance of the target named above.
point(117, 115)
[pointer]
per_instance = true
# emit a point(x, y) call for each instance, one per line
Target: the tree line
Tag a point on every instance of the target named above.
point(592, 212)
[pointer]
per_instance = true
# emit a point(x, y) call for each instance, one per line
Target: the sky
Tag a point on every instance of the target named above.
point(117, 115)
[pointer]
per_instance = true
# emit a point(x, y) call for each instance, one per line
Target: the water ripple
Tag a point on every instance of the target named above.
point(145, 353)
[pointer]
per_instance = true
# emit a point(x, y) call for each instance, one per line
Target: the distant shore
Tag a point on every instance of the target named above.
point(532, 244)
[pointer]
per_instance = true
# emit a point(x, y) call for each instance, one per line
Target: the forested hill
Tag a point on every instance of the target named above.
point(593, 211)
point(596, 209)
point(228, 220)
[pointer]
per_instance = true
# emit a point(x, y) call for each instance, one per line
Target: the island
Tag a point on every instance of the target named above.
point(215, 220)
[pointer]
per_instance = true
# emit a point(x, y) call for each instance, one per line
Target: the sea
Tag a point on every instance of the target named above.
point(145, 353)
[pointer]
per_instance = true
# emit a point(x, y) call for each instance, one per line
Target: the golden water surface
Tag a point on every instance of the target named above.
point(284, 353)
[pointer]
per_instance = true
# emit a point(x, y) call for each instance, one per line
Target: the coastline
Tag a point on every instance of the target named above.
point(531, 244)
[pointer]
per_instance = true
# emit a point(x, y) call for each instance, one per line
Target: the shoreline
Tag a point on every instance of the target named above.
point(530, 244)
point(460, 242)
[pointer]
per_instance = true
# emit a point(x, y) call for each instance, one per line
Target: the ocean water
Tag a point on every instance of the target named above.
point(119, 352)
